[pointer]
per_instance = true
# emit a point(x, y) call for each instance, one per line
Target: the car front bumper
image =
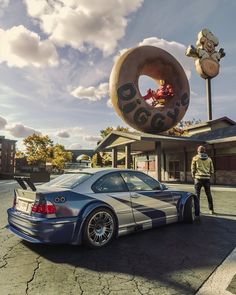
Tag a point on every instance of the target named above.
point(43, 230)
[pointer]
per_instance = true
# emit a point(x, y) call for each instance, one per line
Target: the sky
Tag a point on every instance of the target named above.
point(56, 57)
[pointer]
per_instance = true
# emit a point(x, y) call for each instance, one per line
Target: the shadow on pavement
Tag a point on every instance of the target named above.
point(180, 256)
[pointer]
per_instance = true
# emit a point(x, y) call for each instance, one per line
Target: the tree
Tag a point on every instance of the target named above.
point(181, 128)
point(109, 129)
point(96, 160)
point(38, 148)
point(59, 156)
point(19, 155)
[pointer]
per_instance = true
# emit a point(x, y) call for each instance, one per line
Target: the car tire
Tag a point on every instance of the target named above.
point(189, 211)
point(99, 228)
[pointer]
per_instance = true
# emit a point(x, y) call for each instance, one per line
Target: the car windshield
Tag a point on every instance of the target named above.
point(69, 180)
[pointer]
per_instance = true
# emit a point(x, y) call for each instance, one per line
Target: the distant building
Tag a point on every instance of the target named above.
point(80, 159)
point(77, 153)
point(168, 158)
point(7, 157)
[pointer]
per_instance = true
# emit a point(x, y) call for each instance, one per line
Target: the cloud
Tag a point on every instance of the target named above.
point(3, 5)
point(109, 103)
point(63, 134)
point(3, 123)
point(91, 93)
point(75, 146)
point(174, 48)
point(69, 132)
point(92, 138)
point(83, 24)
point(21, 47)
point(19, 130)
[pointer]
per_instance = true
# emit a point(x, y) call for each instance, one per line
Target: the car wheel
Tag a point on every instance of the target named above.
point(99, 228)
point(189, 211)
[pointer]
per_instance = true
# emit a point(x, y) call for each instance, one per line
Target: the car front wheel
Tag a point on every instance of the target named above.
point(99, 228)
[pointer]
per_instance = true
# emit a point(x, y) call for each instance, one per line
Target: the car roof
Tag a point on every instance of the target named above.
point(96, 170)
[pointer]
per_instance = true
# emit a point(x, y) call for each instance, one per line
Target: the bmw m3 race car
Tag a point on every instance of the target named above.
point(94, 206)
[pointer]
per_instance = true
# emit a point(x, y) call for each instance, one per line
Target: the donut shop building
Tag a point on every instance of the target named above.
point(168, 158)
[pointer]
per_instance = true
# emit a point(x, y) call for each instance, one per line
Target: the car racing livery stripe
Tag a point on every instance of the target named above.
point(163, 197)
point(157, 217)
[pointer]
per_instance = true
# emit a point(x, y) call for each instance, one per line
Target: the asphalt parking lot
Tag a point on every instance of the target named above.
point(175, 259)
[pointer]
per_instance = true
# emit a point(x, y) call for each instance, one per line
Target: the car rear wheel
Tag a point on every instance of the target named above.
point(189, 211)
point(99, 228)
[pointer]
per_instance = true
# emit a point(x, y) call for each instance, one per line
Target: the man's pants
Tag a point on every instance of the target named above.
point(198, 184)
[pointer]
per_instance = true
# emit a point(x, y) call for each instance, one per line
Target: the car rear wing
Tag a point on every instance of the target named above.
point(24, 182)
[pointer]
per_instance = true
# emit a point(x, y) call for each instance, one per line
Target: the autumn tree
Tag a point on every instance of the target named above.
point(38, 148)
point(109, 129)
point(19, 154)
point(59, 156)
point(181, 128)
point(96, 160)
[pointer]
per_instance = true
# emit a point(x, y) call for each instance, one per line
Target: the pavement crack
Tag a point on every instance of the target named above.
point(5, 257)
point(33, 275)
point(76, 278)
point(137, 286)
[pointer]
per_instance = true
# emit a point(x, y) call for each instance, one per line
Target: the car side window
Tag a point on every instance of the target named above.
point(112, 182)
point(137, 181)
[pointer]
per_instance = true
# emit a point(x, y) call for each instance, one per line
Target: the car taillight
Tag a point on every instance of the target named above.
point(47, 208)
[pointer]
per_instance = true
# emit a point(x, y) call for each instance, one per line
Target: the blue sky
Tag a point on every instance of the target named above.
point(56, 57)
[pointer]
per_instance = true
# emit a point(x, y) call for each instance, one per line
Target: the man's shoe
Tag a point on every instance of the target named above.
point(197, 218)
point(211, 212)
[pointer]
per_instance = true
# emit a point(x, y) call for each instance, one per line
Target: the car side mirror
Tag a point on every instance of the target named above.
point(163, 187)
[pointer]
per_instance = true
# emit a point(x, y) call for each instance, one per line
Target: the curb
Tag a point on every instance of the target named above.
point(223, 280)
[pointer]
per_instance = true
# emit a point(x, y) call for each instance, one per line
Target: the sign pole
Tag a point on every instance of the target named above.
point(209, 103)
point(207, 59)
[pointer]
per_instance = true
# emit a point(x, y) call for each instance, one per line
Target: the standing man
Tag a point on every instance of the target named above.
point(202, 169)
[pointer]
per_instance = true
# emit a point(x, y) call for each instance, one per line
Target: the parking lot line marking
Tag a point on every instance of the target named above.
point(220, 279)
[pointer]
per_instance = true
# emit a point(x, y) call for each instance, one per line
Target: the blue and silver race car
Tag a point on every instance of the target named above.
point(94, 206)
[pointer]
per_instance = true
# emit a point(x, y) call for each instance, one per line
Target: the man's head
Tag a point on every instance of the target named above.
point(201, 149)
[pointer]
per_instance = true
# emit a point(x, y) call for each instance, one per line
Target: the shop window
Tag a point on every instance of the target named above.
point(227, 162)
point(174, 170)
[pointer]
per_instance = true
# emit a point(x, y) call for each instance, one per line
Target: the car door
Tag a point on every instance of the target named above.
point(111, 189)
point(151, 205)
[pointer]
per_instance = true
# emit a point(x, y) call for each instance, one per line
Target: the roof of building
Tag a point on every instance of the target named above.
point(205, 135)
point(224, 119)
point(2, 138)
point(118, 138)
point(77, 153)
point(221, 133)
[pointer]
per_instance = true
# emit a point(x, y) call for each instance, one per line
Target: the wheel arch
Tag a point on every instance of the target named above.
point(182, 202)
point(85, 212)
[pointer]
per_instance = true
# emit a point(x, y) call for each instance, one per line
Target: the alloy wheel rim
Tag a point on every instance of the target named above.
point(100, 228)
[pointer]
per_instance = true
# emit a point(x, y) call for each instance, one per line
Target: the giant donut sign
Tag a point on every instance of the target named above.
point(127, 99)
